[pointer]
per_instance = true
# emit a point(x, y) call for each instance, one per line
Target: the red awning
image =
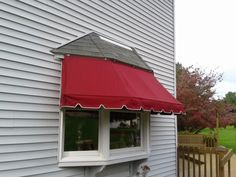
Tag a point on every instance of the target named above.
point(91, 83)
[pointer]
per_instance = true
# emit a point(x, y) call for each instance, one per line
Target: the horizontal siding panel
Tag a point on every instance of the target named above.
point(18, 156)
point(156, 59)
point(28, 123)
point(69, 172)
point(24, 51)
point(158, 7)
point(28, 115)
point(161, 166)
point(128, 20)
point(163, 55)
point(163, 133)
point(14, 13)
point(28, 99)
point(162, 156)
point(158, 149)
point(28, 107)
point(30, 60)
point(28, 91)
point(36, 171)
point(155, 144)
point(166, 129)
point(163, 146)
point(166, 173)
point(10, 23)
point(166, 5)
point(162, 161)
point(166, 82)
point(98, 15)
point(38, 40)
point(24, 139)
point(164, 76)
point(163, 170)
point(131, 10)
point(45, 14)
point(28, 75)
point(163, 19)
point(14, 81)
point(141, 16)
point(23, 43)
point(162, 124)
point(13, 148)
point(160, 69)
point(94, 26)
point(14, 131)
point(162, 118)
point(29, 68)
point(162, 138)
point(84, 6)
point(27, 163)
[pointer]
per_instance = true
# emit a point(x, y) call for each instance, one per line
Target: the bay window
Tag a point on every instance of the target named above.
point(102, 137)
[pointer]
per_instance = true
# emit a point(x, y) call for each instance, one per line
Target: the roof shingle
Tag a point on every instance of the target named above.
point(94, 46)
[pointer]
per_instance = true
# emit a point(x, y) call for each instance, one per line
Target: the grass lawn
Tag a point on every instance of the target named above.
point(227, 136)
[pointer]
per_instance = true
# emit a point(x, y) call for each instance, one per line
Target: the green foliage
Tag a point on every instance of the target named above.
point(230, 98)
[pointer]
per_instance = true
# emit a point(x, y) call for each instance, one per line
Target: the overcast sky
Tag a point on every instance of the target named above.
point(206, 37)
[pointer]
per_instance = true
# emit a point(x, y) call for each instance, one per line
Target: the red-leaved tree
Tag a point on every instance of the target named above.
point(195, 89)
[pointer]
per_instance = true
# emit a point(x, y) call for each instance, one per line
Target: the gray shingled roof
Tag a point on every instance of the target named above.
point(92, 45)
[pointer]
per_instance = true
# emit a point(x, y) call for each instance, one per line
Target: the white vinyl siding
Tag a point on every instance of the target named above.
point(30, 77)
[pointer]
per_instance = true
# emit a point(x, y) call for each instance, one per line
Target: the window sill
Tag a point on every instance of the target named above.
point(97, 161)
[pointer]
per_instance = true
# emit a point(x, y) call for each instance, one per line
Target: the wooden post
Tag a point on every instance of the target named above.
point(229, 169)
point(211, 172)
point(205, 163)
point(188, 160)
point(194, 164)
point(217, 164)
point(221, 166)
point(222, 151)
point(199, 161)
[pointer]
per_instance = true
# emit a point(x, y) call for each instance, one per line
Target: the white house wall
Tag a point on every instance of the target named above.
point(30, 77)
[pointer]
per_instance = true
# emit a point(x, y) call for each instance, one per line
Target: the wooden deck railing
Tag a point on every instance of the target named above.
point(198, 139)
point(224, 159)
point(202, 161)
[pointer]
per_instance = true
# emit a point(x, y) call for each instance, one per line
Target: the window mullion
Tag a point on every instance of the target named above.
point(146, 131)
point(61, 135)
point(104, 134)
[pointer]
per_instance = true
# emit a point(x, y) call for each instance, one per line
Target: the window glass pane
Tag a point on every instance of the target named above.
point(81, 130)
point(125, 130)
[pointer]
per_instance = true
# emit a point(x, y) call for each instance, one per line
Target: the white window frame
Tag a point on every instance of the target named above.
point(105, 156)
